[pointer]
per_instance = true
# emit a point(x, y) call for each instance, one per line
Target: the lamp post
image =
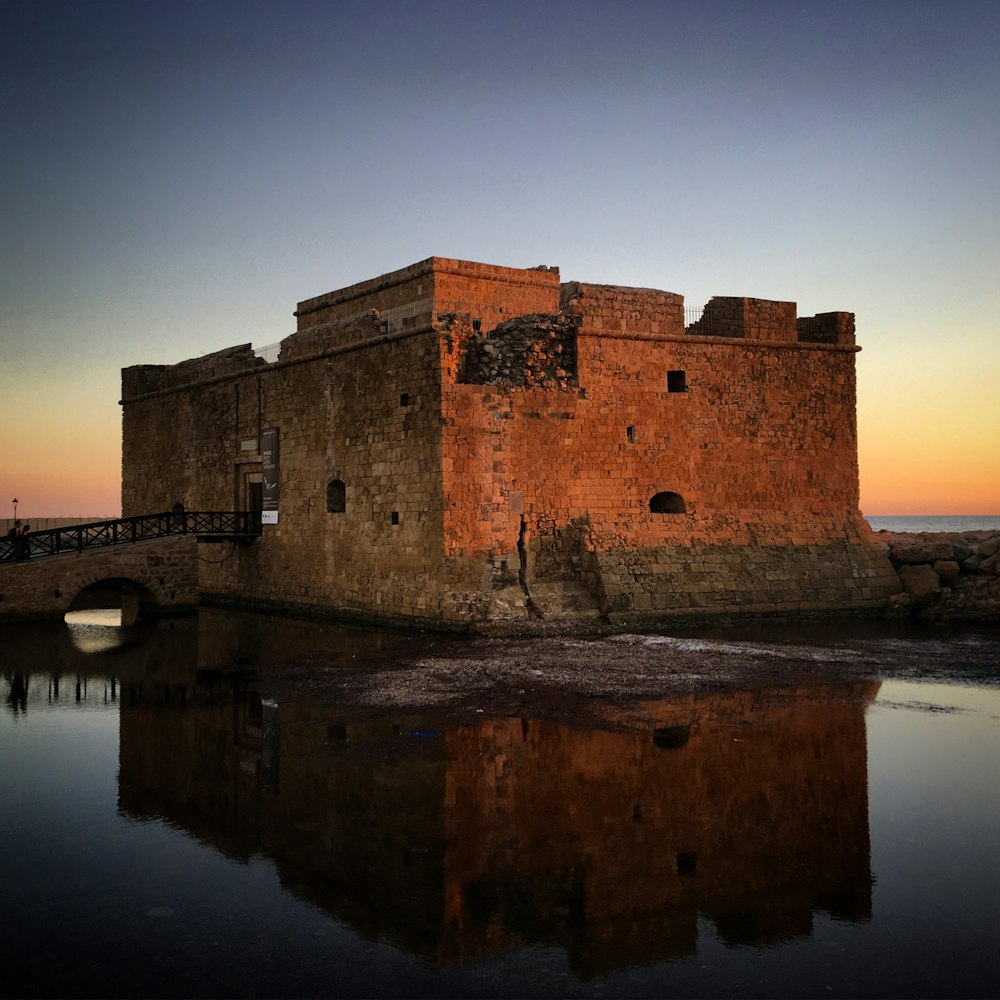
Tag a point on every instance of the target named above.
point(14, 502)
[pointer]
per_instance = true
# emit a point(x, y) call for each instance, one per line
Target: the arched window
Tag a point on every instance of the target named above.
point(336, 497)
point(667, 503)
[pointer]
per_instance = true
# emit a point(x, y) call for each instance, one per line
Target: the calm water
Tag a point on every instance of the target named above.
point(171, 830)
point(936, 522)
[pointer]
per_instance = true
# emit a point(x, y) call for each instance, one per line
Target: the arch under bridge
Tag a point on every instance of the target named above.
point(151, 561)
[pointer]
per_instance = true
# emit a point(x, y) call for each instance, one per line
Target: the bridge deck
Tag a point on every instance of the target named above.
point(206, 525)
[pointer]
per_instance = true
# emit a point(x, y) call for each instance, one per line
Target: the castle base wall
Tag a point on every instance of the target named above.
point(719, 580)
point(594, 591)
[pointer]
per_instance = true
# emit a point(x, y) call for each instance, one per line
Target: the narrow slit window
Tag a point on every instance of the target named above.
point(630, 434)
point(394, 517)
point(336, 497)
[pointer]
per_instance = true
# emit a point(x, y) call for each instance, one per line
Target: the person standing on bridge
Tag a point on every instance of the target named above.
point(19, 540)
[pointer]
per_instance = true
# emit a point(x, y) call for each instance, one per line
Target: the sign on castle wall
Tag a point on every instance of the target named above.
point(269, 470)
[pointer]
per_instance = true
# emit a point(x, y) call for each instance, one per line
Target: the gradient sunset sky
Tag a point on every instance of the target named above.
point(176, 176)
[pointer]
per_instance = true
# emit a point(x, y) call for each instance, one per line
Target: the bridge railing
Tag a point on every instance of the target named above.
point(221, 525)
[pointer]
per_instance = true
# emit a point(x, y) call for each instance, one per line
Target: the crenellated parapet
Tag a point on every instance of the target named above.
point(767, 320)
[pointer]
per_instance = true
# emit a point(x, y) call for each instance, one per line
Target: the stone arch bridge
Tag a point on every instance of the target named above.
point(152, 561)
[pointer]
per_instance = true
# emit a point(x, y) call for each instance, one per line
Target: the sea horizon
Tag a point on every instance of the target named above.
point(934, 522)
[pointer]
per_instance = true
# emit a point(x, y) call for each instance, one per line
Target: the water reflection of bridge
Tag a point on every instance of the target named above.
point(457, 842)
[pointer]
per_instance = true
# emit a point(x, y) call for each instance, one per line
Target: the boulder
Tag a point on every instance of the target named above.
point(913, 553)
point(988, 548)
point(920, 581)
point(974, 564)
point(947, 570)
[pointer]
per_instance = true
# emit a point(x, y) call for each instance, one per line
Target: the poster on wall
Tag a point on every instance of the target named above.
point(269, 473)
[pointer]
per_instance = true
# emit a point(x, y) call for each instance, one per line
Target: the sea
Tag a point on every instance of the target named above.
point(177, 825)
point(934, 522)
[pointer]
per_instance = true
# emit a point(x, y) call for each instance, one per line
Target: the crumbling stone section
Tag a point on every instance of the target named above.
point(534, 350)
point(950, 576)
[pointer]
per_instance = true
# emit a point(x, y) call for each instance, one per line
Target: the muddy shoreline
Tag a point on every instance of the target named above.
point(565, 676)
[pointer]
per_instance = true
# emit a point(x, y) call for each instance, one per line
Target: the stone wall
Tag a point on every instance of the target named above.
point(363, 417)
point(411, 297)
point(508, 449)
point(757, 439)
point(757, 319)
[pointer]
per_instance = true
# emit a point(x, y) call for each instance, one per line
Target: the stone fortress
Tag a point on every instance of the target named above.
point(463, 445)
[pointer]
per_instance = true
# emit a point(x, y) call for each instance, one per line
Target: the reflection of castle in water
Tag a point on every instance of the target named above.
point(748, 808)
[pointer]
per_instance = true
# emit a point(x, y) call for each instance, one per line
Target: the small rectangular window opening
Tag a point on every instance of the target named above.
point(404, 399)
point(630, 434)
point(687, 863)
point(394, 517)
point(676, 381)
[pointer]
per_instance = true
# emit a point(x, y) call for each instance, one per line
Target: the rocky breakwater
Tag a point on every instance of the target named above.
point(952, 576)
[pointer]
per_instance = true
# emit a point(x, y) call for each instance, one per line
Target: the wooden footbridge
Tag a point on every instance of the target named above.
point(152, 556)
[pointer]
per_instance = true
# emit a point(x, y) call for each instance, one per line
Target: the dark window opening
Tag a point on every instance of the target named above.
point(336, 497)
point(667, 503)
point(676, 381)
point(394, 517)
point(404, 399)
point(687, 863)
point(630, 434)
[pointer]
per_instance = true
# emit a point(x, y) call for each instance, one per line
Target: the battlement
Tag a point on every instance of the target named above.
point(763, 319)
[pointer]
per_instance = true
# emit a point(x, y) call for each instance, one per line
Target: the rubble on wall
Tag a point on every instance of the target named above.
point(536, 350)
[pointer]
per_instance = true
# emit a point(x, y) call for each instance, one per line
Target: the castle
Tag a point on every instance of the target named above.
point(464, 445)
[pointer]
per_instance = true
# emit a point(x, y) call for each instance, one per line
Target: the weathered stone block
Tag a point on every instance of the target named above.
point(921, 581)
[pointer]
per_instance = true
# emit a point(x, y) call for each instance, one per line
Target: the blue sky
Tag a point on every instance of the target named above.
point(177, 176)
